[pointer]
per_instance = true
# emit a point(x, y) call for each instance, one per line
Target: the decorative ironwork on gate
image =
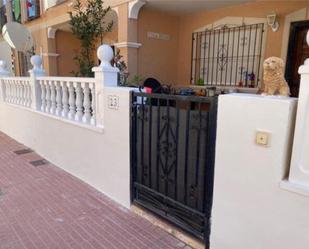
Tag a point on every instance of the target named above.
point(228, 56)
point(173, 147)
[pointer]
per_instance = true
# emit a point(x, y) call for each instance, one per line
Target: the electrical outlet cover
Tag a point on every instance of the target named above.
point(262, 138)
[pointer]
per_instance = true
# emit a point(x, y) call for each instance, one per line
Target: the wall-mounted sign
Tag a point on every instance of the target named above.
point(113, 102)
point(158, 36)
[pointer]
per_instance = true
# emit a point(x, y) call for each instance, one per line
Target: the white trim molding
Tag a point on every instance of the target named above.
point(134, 8)
point(51, 33)
point(295, 188)
point(116, 9)
point(50, 54)
point(127, 45)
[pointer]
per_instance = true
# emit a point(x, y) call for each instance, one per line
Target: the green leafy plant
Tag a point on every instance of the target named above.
point(136, 81)
point(200, 82)
point(88, 25)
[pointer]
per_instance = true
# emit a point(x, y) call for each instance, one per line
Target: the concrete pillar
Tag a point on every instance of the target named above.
point(128, 34)
point(105, 76)
point(299, 172)
point(48, 51)
point(36, 71)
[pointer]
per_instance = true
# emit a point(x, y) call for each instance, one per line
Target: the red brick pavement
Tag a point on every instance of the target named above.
point(45, 207)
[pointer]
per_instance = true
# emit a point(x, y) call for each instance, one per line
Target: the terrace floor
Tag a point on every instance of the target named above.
point(45, 207)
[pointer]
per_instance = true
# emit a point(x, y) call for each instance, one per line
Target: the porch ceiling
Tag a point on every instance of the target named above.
point(190, 6)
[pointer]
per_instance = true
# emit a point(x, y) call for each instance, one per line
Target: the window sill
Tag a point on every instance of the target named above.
point(295, 188)
point(30, 19)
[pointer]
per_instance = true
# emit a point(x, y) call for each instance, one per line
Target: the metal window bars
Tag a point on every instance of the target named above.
point(227, 56)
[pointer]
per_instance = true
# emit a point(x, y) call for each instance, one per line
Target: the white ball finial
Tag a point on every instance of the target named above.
point(3, 69)
point(36, 62)
point(105, 54)
point(307, 38)
point(2, 64)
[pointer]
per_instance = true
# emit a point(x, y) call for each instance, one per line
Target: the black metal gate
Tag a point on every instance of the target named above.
point(173, 149)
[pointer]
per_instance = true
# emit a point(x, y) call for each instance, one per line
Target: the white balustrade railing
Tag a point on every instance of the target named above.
point(17, 90)
point(69, 98)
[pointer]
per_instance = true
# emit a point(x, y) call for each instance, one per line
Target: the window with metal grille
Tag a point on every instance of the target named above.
point(227, 56)
point(24, 63)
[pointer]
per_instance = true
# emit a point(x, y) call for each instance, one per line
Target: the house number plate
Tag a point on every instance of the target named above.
point(113, 102)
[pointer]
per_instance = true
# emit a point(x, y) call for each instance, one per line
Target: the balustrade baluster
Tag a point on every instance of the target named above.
point(25, 93)
point(43, 95)
point(7, 91)
point(12, 84)
point(29, 94)
point(79, 102)
point(93, 105)
point(48, 97)
point(15, 92)
point(65, 100)
point(19, 92)
point(25, 97)
point(9, 83)
point(58, 99)
point(22, 93)
point(72, 108)
point(86, 104)
point(53, 97)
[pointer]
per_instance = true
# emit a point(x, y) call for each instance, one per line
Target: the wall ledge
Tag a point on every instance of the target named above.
point(295, 187)
point(127, 45)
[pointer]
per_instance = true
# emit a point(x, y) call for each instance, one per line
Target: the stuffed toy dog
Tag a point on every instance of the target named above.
point(274, 81)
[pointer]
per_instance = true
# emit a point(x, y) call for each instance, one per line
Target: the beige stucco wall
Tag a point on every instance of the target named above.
point(158, 58)
point(66, 46)
point(258, 9)
point(167, 60)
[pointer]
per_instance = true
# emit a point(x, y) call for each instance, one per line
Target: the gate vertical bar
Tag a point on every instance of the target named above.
point(210, 163)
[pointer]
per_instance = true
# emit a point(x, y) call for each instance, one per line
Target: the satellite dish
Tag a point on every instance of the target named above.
point(17, 36)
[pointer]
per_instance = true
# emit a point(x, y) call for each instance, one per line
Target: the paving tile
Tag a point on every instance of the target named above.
point(46, 207)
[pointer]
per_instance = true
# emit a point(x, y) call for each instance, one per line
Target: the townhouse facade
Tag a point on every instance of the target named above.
point(204, 43)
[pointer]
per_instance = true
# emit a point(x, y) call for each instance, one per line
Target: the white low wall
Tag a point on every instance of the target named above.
point(250, 210)
point(299, 174)
point(99, 156)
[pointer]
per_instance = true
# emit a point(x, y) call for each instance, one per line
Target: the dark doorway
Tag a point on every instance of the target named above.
point(298, 51)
